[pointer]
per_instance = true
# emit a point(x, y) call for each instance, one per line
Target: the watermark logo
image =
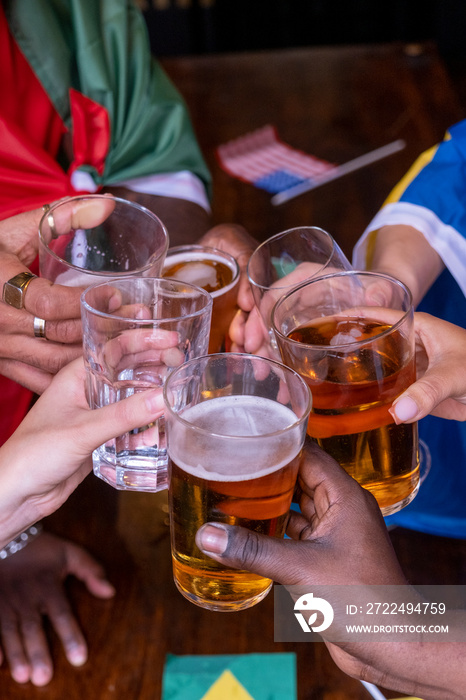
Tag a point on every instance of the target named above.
point(308, 604)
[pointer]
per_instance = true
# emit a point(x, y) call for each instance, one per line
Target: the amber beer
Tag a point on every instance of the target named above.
point(244, 484)
point(215, 271)
point(353, 385)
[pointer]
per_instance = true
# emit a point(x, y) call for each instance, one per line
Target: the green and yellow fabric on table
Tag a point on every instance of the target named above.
point(230, 677)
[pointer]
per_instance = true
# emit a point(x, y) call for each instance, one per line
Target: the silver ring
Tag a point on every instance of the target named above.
point(39, 327)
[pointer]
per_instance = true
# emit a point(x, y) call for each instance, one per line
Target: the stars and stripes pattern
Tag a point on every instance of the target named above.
point(263, 160)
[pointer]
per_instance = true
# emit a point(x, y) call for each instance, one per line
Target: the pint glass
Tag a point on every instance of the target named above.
point(215, 271)
point(235, 427)
point(350, 336)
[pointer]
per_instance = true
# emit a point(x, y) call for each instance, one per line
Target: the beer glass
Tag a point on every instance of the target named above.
point(284, 261)
point(350, 336)
point(88, 239)
point(236, 425)
point(135, 330)
point(215, 271)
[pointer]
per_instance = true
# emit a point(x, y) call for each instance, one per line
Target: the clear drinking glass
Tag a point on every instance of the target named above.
point(93, 238)
point(350, 336)
point(287, 259)
point(215, 271)
point(135, 330)
point(236, 425)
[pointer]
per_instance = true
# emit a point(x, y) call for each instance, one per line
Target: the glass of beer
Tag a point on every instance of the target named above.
point(215, 271)
point(92, 238)
point(350, 336)
point(284, 261)
point(135, 331)
point(236, 425)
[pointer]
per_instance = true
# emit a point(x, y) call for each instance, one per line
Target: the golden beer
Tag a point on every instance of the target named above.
point(353, 385)
point(244, 484)
point(215, 271)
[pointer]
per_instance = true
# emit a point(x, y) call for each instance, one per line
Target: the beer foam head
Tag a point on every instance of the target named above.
point(193, 267)
point(197, 273)
point(231, 438)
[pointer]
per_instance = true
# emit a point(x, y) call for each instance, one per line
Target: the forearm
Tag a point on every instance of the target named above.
point(404, 253)
point(432, 671)
point(16, 512)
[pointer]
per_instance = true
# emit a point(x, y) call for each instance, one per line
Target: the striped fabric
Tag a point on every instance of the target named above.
point(263, 160)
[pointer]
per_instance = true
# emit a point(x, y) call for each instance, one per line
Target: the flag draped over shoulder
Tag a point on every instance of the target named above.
point(125, 117)
point(81, 70)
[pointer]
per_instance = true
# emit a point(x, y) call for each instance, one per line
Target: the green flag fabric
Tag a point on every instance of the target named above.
point(100, 48)
point(263, 676)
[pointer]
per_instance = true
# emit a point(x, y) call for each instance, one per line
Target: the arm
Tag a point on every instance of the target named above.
point(421, 227)
point(60, 423)
point(31, 581)
point(403, 252)
point(340, 538)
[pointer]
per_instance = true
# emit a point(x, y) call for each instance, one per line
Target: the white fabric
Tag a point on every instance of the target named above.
point(181, 185)
point(449, 244)
point(82, 181)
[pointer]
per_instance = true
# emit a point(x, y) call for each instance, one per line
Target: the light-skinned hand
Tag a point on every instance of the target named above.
point(61, 424)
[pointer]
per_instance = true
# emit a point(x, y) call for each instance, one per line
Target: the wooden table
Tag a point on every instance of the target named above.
point(334, 103)
point(337, 103)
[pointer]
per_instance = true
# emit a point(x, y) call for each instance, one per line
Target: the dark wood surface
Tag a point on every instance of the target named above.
point(337, 104)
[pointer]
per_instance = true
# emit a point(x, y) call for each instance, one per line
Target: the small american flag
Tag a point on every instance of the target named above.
point(262, 159)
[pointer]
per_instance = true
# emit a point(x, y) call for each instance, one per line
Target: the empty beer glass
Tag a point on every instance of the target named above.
point(284, 261)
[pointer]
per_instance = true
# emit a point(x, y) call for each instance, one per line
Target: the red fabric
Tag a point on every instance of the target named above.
point(23, 100)
point(91, 132)
point(30, 135)
point(31, 132)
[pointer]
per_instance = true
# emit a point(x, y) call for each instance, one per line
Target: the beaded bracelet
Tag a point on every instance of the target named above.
point(21, 541)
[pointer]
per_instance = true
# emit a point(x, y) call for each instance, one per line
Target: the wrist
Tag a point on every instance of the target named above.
point(17, 509)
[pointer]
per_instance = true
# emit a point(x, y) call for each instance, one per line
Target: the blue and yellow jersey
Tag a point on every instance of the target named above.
point(431, 197)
